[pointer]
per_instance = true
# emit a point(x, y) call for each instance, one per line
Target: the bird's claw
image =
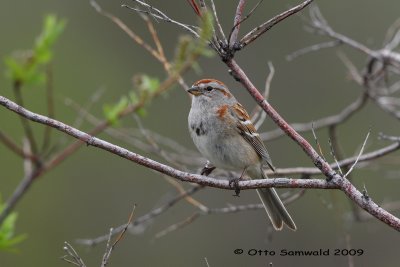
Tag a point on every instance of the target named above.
point(207, 169)
point(234, 183)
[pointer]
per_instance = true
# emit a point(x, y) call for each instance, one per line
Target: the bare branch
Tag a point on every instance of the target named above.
point(9, 143)
point(136, 38)
point(50, 106)
point(392, 38)
point(342, 163)
point(333, 141)
point(156, 13)
point(261, 29)
point(326, 169)
point(225, 210)
point(207, 264)
point(221, 31)
point(317, 143)
point(178, 225)
point(144, 218)
point(195, 7)
point(25, 124)
point(389, 137)
point(75, 258)
point(109, 248)
point(19, 191)
point(233, 35)
point(341, 117)
point(260, 115)
point(312, 48)
point(159, 167)
point(334, 182)
point(319, 23)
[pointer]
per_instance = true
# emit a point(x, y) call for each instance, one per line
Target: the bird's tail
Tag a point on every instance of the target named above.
point(276, 211)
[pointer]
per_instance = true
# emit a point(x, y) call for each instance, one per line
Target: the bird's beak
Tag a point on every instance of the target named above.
point(194, 90)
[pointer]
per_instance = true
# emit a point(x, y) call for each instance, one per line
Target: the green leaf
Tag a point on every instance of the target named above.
point(146, 83)
point(52, 29)
point(8, 240)
point(133, 98)
point(142, 112)
point(182, 50)
point(15, 70)
point(27, 66)
point(206, 26)
point(188, 48)
point(112, 112)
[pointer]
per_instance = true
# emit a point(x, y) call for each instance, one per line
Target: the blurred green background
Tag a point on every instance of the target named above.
point(93, 190)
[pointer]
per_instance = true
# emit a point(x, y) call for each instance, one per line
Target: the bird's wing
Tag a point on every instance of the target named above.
point(249, 133)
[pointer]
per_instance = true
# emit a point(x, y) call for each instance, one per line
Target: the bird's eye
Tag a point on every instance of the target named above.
point(209, 88)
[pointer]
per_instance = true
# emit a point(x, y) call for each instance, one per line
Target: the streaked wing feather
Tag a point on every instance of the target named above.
point(249, 133)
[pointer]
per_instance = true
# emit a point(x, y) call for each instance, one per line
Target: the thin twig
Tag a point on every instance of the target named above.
point(142, 219)
point(221, 31)
point(156, 13)
point(259, 115)
point(178, 225)
point(50, 107)
point(19, 191)
point(195, 7)
point(225, 210)
point(9, 143)
point(392, 38)
point(76, 259)
point(338, 154)
point(312, 48)
point(109, 248)
point(389, 137)
point(333, 153)
point(264, 27)
point(233, 35)
point(207, 264)
point(359, 155)
point(341, 117)
point(320, 23)
point(136, 38)
point(25, 124)
point(342, 163)
point(321, 152)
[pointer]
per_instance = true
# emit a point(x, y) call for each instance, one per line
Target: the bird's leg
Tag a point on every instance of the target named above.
point(235, 183)
point(207, 169)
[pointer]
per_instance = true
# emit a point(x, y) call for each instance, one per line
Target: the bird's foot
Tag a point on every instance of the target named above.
point(234, 183)
point(207, 169)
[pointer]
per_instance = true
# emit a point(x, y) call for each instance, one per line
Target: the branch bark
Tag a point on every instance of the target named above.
point(343, 184)
point(334, 182)
point(154, 165)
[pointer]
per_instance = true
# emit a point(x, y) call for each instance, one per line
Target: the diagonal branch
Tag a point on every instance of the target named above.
point(233, 36)
point(319, 23)
point(10, 144)
point(344, 184)
point(220, 30)
point(261, 29)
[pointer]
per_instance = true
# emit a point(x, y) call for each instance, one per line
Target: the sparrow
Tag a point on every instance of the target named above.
point(222, 131)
